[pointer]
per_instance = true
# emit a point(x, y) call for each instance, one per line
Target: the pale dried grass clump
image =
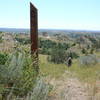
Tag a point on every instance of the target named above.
point(88, 60)
point(40, 92)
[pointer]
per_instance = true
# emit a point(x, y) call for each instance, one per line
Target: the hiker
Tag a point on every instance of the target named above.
point(69, 61)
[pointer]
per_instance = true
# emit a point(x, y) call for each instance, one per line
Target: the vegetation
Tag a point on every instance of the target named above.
point(88, 60)
point(3, 58)
point(87, 74)
point(40, 92)
point(57, 51)
point(58, 54)
point(22, 41)
point(84, 51)
point(1, 33)
point(18, 74)
point(46, 46)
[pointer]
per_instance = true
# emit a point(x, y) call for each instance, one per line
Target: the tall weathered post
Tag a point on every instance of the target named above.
point(34, 32)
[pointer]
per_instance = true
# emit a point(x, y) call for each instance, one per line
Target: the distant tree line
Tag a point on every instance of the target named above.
point(46, 46)
point(1, 36)
point(57, 51)
point(23, 40)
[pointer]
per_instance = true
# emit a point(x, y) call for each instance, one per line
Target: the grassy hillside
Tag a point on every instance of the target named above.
point(56, 80)
point(89, 74)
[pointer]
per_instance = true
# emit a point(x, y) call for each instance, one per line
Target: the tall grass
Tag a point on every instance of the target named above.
point(17, 75)
point(40, 92)
point(18, 79)
point(89, 74)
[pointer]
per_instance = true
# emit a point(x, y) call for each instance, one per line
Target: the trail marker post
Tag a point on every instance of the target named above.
point(34, 32)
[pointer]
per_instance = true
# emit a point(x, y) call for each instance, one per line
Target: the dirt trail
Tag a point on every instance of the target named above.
point(70, 89)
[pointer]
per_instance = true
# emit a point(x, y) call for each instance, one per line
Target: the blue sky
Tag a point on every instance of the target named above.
point(53, 14)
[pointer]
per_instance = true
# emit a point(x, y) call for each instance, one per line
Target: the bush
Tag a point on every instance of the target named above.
point(3, 58)
point(1, 37)
point(23, 40)
point(58, 55)
point(88, 60)
point(47, 45)
point(40, 92)
point(72, 54)
point(18, 72)
point(84, 51)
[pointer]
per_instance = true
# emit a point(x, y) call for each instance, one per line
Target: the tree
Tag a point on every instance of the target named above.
point(58, 56)
point(84, 51)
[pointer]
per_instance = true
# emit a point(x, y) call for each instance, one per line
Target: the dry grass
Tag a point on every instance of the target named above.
point(88, 74)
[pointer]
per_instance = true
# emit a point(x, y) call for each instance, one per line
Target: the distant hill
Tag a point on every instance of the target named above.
point(50, 31)
point(14, 30)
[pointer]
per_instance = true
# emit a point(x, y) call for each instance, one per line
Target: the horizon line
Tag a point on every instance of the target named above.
point(52, 29)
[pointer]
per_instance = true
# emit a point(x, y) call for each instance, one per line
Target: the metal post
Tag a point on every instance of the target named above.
point(34, 29)
point(34, 34)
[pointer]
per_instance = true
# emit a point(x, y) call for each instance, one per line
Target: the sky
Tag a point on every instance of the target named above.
point(52, 14)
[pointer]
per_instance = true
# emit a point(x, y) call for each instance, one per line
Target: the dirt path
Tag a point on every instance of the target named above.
point(70, 89)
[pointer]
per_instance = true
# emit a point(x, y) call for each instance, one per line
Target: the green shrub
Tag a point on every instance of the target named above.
point(23, 40)
point(40, 91)
point(92, 51)
point(1, 37)
point(84, 51)
point(3, 58)
point(72, 54)
point(47, 45)
point(19, 73)
point(58, 55)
